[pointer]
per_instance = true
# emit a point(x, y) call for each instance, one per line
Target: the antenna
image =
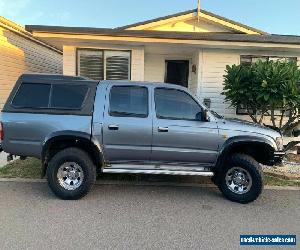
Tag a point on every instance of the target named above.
point(198, 9)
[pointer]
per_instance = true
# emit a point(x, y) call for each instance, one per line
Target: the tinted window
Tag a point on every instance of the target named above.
point(129, 101)
point(68, 96)
point(32, 95)
point(176, 104)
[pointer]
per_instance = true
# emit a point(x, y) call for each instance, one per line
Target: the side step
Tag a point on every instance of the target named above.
point(156, 171)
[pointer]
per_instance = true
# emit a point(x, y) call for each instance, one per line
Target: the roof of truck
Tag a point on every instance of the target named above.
point(55, 77)
point(155, 84)
point(63, 78)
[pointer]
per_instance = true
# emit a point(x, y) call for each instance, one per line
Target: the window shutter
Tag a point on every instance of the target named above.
point(90, 64)
point(117, 65)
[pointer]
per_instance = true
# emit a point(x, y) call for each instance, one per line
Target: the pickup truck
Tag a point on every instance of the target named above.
point(79, 128)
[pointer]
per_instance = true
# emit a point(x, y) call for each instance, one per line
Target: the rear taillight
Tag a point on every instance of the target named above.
point(1, 132)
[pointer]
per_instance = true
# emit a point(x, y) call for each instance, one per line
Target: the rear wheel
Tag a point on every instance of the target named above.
point(71, 174)
point(241, 180)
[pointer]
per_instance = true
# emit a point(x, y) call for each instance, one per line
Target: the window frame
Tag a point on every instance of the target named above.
point(125, 114)
point(174, 118)
point(103, 60)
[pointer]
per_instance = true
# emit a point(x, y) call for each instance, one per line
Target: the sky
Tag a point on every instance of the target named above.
point(273, 16)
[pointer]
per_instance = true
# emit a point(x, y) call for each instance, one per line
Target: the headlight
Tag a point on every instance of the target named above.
point(279, 143)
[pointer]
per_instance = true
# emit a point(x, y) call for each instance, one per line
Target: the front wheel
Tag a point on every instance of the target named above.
point(241, 179)
point(71, 174)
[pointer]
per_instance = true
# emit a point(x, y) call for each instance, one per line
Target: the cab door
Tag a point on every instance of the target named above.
point(127, 128)
point(180, 136)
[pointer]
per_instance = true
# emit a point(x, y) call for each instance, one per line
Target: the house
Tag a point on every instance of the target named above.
point(188, 48)
point(20, 52)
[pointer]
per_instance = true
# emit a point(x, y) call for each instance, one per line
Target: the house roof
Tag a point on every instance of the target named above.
point(13, 27)
point(190, 12)
point(208, 36)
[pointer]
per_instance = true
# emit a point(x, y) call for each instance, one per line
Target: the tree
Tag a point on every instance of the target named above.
point(269, 88)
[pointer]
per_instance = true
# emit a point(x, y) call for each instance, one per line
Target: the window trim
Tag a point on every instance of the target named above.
point(103, 58)
point(125, 114)
point(174, 118)
point(49, 107)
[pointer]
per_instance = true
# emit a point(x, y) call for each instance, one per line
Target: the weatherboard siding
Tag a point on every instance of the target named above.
point(212, 68)
point(20, 55)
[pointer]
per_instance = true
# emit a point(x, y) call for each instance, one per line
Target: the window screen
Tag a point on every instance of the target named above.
point(68, 96)
point(129, 101)
point(90, 64)
point(117, 65)
point(176, 104)
point(32, 95)
point(104, 64)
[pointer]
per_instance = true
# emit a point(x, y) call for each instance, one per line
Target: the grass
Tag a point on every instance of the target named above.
point(275, 181)
point(31, 168)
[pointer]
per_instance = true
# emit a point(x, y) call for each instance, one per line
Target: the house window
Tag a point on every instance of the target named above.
point(103, 64)
point(248, 60)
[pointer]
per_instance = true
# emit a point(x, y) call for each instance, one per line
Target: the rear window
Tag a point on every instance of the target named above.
point(32, 95)
point(62, 96)
point(68, 97)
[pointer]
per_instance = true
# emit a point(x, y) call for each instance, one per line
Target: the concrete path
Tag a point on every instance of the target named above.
point(140, 217)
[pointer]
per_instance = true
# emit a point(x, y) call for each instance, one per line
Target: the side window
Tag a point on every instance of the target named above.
point(128, 101)
point(32, 95)
point(68, 96)
point(176, 104)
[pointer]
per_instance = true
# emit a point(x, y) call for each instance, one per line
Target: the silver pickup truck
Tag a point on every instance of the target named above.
point(79, 127)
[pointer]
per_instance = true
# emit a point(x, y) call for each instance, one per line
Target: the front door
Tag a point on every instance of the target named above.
point(127, 128)
point(179, 134)
point(177, 72)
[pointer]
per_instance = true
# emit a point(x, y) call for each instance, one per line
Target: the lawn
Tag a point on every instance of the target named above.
point(31, 168)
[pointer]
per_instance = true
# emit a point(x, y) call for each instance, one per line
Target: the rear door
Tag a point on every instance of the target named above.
point(127, 130)
point(179, 134)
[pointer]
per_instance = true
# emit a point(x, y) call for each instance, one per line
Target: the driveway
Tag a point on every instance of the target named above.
point(139, 217)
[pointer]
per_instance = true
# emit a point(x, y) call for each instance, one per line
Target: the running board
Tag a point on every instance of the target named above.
point(156, 171)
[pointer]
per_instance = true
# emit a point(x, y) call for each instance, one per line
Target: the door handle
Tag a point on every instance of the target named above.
point(163, 129)
point(113, 127)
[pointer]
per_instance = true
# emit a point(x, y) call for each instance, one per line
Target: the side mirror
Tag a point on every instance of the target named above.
point(205, 116)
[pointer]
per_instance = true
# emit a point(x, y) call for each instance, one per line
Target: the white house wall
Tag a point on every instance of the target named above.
point(213, 68)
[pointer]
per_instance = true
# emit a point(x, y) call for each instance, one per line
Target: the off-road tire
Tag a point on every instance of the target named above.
point(254, 169)
point(71, 155)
